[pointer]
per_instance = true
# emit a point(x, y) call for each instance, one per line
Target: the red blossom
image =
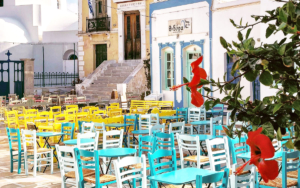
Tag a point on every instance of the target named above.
point(199, 73)
point(261, 149)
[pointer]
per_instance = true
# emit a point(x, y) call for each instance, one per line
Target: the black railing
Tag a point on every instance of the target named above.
point(48, 79)
point(98, 24)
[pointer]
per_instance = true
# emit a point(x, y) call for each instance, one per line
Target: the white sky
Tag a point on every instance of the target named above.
point(73, 5)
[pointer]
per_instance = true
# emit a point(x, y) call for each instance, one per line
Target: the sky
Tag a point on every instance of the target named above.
point(73, 5)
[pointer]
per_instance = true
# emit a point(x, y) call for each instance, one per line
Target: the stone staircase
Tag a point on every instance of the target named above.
point(104, 82)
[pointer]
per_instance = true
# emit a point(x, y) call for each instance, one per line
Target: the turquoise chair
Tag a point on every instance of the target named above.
point(218, 109)
point(80, 125)
point(286, 167)
point(182, 112)
point(237, 150)
point(158, 167)
point(132, 120)
point(15, 139)
point(214, 178)
point(92, 165)
point(164, 141)
point(146, 144)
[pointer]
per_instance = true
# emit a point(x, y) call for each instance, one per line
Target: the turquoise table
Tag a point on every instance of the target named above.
point(179, 177)
point(115, 152)
point(203, 137)
point(199, 123)
point(74, 141)
point(119, 125)
point(247, 156)
point(143, 131)
point(46, 136)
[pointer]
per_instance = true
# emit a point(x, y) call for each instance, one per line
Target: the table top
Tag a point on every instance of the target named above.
point(49, 134)
point(182, 176)
point(117, 125)
point(203, 137)
point(74, 141)
point(144, 131)
point(206, 122)
point(170, 117)
point(247, 155)
point(116, 152)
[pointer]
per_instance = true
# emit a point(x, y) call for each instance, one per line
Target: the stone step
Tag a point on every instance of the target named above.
point(120, 68)
point(97, 88)
point(98, 92)
point(112, 80)
point(128, 64)
point(100, 84)
point(120, 74)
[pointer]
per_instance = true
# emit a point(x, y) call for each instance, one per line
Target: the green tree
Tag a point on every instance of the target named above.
point(275, 64)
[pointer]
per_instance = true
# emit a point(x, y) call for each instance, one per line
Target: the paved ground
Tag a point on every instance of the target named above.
point(15, 180)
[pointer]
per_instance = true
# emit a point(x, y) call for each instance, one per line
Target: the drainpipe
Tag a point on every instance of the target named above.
point(43, 68)
point(74, 64)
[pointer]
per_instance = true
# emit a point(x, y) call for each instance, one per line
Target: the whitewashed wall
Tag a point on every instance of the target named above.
point(199, 12)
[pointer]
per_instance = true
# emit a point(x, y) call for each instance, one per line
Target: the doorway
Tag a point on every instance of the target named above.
point(101, 54)
point(132, 35)
point(191, 57)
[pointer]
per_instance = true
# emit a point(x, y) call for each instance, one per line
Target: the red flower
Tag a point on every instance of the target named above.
point(261, 149)
point(199, 73)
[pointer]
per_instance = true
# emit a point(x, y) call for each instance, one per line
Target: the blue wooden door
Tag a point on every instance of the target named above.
point(19, 78)
point(4, 78)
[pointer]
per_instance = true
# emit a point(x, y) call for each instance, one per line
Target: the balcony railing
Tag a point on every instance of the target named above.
point(98, 24)
point(52, 79)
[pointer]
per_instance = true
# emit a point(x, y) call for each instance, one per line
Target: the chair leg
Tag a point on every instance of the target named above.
point(11, 162)
point(51, 162)
point(26, 164)
point(19, 162)
point(34, 165)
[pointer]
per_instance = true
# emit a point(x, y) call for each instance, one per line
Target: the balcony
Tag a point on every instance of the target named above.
point(98, 24)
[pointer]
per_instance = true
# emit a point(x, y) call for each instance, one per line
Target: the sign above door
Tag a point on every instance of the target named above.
point(180, 26)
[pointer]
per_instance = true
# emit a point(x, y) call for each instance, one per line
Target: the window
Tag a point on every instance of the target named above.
point(169, 69)
point(1, 3)
point(72, 57)
point(230, 62)
point(100, 7)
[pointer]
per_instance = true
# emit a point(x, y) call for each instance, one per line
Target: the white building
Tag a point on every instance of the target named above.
point(172, 51)
point(29, 26)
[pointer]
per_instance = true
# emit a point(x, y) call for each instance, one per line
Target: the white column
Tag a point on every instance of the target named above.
point(143, 33)
point(121, 35)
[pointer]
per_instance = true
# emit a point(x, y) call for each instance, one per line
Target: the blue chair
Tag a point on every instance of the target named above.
point(80, 125)
point(158, 167)
point(287, 168)
point(182, 112)
point(68, 130)
point(14, 137)
point(237, 150)
point(214, 178)
point(217, 110)
point(91, 165)
point(131, 120)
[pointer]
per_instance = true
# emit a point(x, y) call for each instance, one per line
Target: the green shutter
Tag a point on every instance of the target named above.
point(169, 70)
point(128, 27)
point(1, 3)
point(100, 6)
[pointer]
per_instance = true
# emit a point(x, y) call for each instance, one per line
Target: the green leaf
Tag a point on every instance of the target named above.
point(279, 135)
point(186, 81)
point(269, 31)
point(251, 75)
point(277, 107)
point(283, 15)
point(281, 49)
point(266, 78)
point(223, 42)
point(240, 36)
point(287, 61)
point(268, 127)
point(247, 99)
point(282, 26)
point(207, 89)
point(232, 22)
point(226, 98)
point(289, 144)
point(296, 105)
point(291, 8)
point(264, 62)
point(248, 33)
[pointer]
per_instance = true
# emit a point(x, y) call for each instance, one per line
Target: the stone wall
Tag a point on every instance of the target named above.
point(137, 81)
point(28, 76)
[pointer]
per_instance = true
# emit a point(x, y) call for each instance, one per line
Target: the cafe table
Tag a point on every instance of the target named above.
point(118, 126)
point(180, 177)
point(115, 152)
point(199, 123)
point(74, 141)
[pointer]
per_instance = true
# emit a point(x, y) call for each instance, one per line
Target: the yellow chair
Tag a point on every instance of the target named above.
point(72, 106)
point(29, 121)
point(55, 110)
point(43, 124)
point(155, 111)
point(12, 119)
point(91, 110)
point(60, 118)
point(2, 114)
point(20, 109)
point(71, 115)
point(86, 108)
point(81, 116)
point(108, 108)
point(99, 112)
point(117, 105)
point(115, 112)
point(31, 111)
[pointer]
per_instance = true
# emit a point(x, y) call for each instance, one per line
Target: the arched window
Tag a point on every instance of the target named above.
point(72, 57)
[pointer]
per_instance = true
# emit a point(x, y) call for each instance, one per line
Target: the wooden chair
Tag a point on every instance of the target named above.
point(213, 178)
point(15, 146)
point(247, 180)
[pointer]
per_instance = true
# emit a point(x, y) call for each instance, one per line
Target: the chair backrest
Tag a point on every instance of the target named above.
point(55, 110)
point(60, 118)
point(43, 114)
point(132, 174)
point(80, 125)
point(67, 161)
point(238, 146)
point(154, 119)
point(99, 127)
point(72, 106)
point(213, 178)
point(13, 137)
point(131, 120)
point(194, 114)
point(218, 152)
point(247, 180)
point(87, 127)
point(31, 111)
point(115, 141)
point(177, 127)
point(146, 145)
point(158, 166)
point(216, 126)
point(144, 121)
point(68, 130)
point(85, 144)
point(164, 141)
point(182, 112)
point(288, 166)
point(188, 143)
point(29, 138)
point(93, 109)
point(157, 128)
